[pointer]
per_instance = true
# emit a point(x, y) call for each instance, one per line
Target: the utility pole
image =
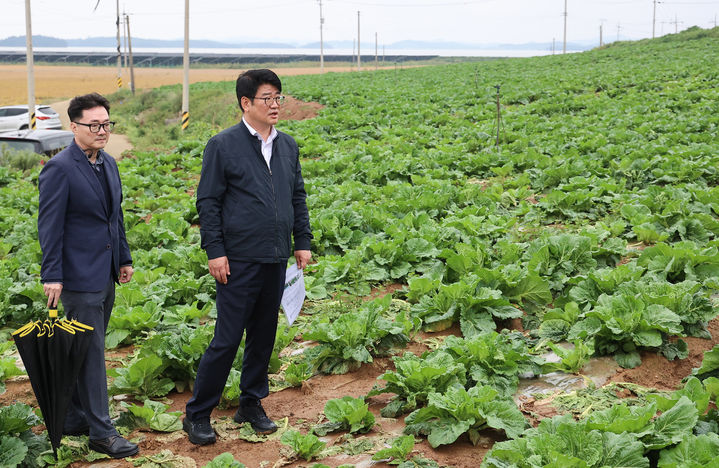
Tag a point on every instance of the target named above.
point(619, 27)
point(124, 42)
point(186, 70)
point(359, 60)
point(654, 19)
point(600, 36)
point(676, 24)
point(663, 23)
point(376, 56)
point(30, 68)
point(119, 52)
point(129, 49)
point(564, 48)
point(322, 46)
point(498, 121)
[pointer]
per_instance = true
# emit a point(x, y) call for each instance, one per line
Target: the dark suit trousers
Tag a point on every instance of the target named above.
point(89, 404)
point(250, 302)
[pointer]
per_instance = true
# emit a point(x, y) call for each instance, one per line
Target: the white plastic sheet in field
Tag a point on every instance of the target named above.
point(294, 294)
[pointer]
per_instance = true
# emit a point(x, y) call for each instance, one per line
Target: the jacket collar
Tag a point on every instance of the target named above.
point(83, 166)
point(79, 155)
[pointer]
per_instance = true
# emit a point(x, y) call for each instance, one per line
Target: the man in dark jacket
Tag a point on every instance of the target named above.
point(251, 202)
point(84, 252)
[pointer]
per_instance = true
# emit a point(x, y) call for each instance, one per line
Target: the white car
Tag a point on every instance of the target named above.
point(16, 118)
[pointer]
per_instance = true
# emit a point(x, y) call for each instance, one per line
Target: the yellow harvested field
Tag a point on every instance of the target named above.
point(54, 83)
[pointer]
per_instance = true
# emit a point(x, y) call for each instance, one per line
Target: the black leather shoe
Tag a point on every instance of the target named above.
point(78, 431)
point(254, 413)
point(199, 432)
point(115, 446)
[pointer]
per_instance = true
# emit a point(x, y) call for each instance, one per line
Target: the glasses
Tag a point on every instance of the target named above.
point(268, 100)
point(95, 127)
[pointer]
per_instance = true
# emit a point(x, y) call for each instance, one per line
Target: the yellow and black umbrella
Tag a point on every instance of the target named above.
point(53, 351)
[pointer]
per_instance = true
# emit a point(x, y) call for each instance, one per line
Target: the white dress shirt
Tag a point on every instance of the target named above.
point(266, 145)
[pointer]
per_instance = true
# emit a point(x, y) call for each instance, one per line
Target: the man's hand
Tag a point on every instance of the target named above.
point(303, 257)
point(219, 268)
point(52, 291)
point(126, 273)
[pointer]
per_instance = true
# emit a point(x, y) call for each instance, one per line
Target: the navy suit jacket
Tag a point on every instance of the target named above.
point(82, 239)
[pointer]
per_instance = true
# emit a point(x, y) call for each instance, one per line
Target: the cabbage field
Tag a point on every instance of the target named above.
point(459, 252)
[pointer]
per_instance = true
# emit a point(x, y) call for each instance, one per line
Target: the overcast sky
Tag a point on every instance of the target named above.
point(297, 21)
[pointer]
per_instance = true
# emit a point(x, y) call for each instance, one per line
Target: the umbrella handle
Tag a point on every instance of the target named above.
point(65, 325)
point(52, 313)
point(26, 329)
point(81, 326)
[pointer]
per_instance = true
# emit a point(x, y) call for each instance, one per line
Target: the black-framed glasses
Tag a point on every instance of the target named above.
point(95, 127)
point(268, 100)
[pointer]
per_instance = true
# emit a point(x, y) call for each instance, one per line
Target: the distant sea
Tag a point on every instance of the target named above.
point(295, 51)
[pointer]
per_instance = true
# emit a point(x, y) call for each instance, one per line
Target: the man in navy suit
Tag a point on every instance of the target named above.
point(84, 253)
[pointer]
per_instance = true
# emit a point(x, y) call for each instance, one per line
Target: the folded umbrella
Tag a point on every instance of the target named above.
point(53, 352)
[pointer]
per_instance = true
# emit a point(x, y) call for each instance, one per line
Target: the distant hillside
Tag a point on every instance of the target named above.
point(689, 34)
point(37, 41)
point(581, 45)
point(44, 41)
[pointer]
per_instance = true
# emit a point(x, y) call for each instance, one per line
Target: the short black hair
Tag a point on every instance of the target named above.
point(249, 81)
point(78, 104)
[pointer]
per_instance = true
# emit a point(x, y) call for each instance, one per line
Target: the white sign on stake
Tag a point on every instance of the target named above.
point(294, 295)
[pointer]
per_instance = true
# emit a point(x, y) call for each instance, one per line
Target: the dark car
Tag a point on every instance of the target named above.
point(48, 142)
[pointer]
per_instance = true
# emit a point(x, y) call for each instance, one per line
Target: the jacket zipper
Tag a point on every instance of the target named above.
point(274, 199)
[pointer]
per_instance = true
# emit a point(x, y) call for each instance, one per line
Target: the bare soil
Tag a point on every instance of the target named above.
point(658, 372)
point(303, 408)
point(294, 109)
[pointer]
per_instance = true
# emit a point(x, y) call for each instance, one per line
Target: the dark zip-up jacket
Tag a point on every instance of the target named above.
point(249, 212)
